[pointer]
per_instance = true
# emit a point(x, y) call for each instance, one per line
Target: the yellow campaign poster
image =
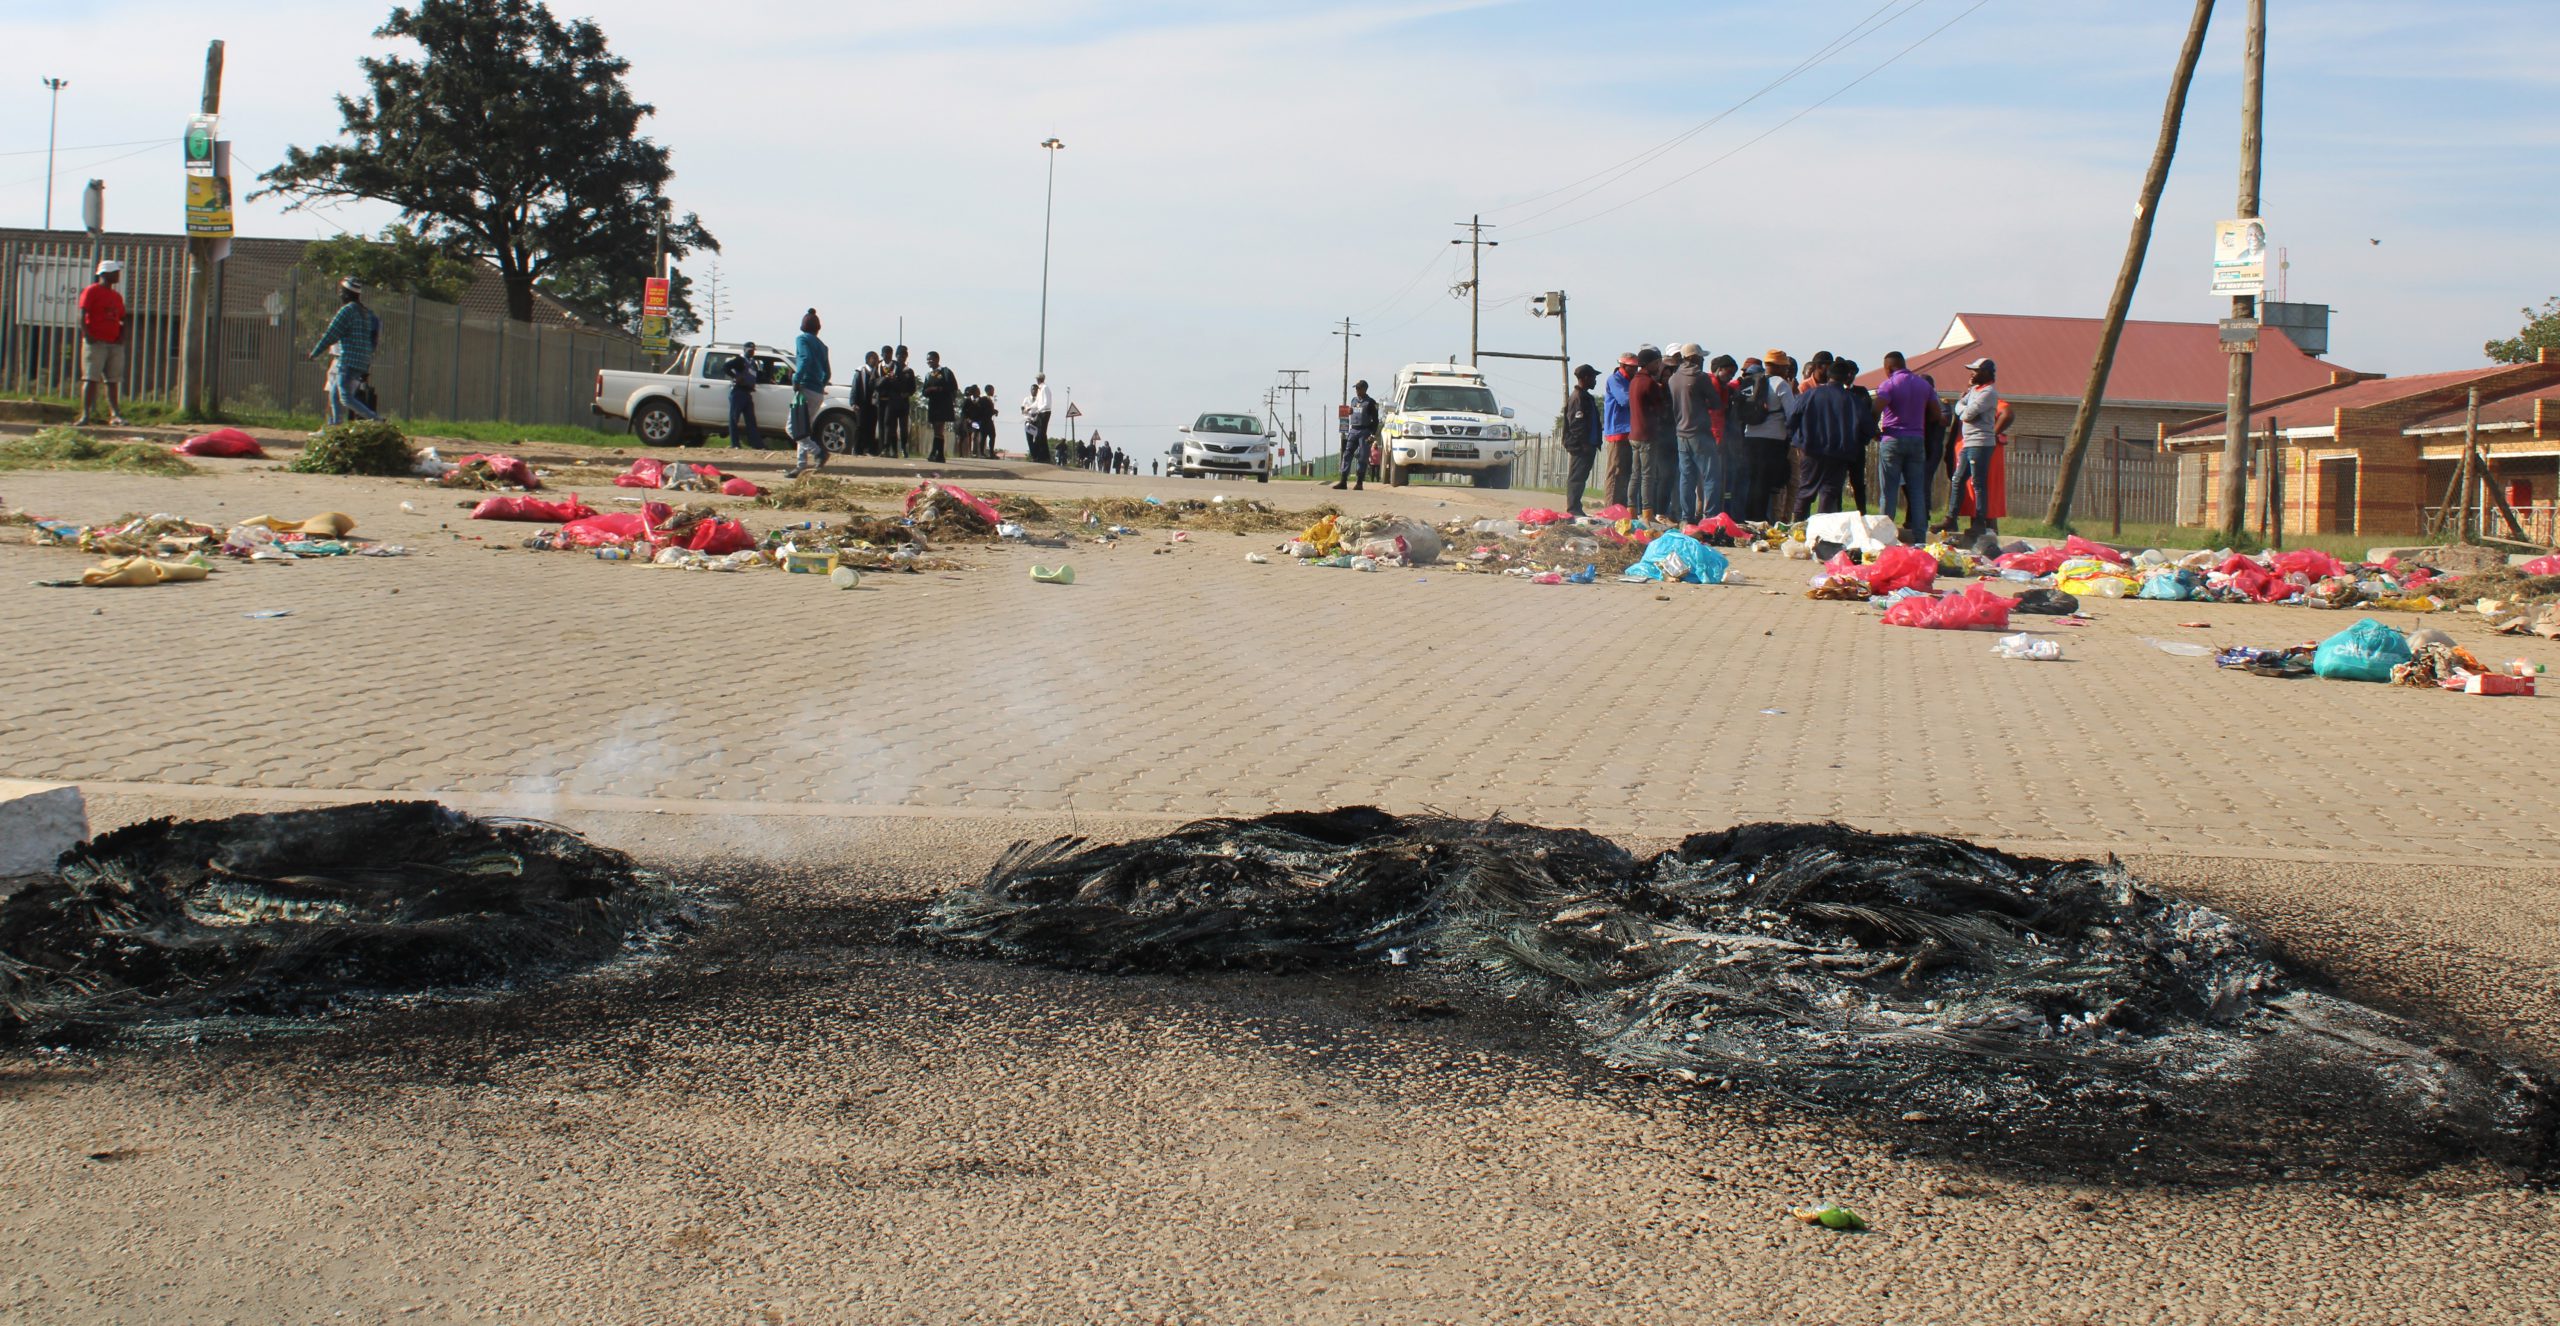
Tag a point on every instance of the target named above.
point(208, 207)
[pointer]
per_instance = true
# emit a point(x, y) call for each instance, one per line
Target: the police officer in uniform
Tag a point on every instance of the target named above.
point(1359, 433)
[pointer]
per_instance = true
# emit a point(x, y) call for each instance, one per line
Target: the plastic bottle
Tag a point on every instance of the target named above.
point(613, 554)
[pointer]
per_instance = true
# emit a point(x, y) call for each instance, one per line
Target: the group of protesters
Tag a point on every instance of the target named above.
point(1682, 437)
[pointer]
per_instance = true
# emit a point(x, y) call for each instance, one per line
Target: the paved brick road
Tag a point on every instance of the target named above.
point(1190, 682)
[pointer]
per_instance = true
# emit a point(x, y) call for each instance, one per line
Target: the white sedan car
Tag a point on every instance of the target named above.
point(1224, 444)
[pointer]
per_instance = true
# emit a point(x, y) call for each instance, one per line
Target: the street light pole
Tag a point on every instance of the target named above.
point(1047, 212)
point(52, 118)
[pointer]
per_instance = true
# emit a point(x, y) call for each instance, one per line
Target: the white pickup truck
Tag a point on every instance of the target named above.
point(690, 400)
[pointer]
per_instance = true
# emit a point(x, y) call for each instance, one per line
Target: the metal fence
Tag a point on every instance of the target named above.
point(432, 360)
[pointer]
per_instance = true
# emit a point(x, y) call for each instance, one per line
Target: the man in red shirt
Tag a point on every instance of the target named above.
point(102, 329)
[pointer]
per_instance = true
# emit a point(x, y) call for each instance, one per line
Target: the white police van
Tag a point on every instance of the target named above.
point(1443, 419)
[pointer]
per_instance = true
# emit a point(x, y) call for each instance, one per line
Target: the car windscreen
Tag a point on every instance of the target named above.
point(1427, 396)
point(1227, 423)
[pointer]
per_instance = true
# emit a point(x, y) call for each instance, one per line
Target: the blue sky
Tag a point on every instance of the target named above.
point(1239, 177)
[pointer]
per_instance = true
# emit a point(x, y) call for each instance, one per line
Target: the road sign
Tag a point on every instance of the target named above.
point(1074, 411)
point(653, 316)
point(2240, 336)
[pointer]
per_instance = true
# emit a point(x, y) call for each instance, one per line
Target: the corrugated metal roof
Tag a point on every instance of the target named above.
point(2319, 409)
point(2157, 363)
point(2517, 409)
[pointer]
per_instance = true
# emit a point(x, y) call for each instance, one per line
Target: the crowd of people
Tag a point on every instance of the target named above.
point(1678, 436)
point(959, 418)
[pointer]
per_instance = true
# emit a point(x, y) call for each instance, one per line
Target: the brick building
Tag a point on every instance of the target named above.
point(2376, 455)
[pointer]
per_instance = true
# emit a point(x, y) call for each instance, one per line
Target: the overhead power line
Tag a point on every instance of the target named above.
point(1738, 148)
point(1856, 33)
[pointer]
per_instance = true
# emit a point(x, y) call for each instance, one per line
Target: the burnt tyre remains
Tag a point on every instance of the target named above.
point(2011, 1011)
point(264, 921)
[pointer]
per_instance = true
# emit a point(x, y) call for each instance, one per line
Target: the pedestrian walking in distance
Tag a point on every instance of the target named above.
point(102, 330)
point(810, 373)
point(742, 375)
point(1359, 434)
point(350, 333)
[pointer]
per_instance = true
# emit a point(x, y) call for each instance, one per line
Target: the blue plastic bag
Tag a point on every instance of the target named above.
point(2366, 651)
point(1700, 564)
point(2164, 585)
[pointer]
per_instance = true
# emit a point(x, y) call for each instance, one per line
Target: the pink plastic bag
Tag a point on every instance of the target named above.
point(2075, 546)
point(1974, 606)
point(228, 443)
point(644, 473)
point(2237, 563)
point(985, 511)
point(1901, 567)
point(1719, 523)
point(1613, 512)
point(2542, 566)
point(1845, 563)
point(741, 488)
point(617, 526)
point(2310, 562)
point(508, 469)
point(719, 536)
point(532, 508)
point(1538, 515)
point(2039, 562)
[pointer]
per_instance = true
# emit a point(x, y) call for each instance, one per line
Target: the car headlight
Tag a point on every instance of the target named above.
point(1499, 432)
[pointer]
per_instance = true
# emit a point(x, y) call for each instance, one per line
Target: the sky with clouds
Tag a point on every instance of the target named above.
point(1239, 177)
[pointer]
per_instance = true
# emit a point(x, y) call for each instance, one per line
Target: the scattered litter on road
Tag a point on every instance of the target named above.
point(268, 614)
point(1830, 1216)
point(2177, 648)
point(1054, 575)
point(2029, 647)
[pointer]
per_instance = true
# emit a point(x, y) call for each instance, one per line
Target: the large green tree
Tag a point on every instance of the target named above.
point(511, 137)
point(2541, 331)
point(399, 261)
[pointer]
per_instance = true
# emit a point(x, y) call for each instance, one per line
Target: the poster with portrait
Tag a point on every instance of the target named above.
point(2240, 257)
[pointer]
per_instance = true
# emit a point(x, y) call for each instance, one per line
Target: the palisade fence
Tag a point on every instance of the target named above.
point(433, 361)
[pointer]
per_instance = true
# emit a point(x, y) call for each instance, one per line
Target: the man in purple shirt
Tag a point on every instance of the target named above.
point(1903, 403)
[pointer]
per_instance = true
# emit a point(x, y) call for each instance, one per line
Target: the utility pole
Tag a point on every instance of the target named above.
point(2066, 485)
point(52, 119)
point(191, 333)
point(1048, 210)
point(1476, 245)
point(1293, 386)
point(2235, 427)
point(1348, 336)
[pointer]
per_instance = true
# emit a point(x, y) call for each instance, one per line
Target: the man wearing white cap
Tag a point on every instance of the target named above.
point(102, 329)
point(1977, 425)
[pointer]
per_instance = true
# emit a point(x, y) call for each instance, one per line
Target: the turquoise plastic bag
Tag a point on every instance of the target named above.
point(2164, 585)
point(1698, 564)
point(2366, 651)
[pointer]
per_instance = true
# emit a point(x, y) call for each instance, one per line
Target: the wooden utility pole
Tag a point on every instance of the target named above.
point(1476, 245)
point(2235, 426)
point(2066, 485)
point(191, 333)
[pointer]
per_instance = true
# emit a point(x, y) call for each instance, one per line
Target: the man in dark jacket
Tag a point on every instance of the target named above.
point(1697, 407)
point(1649, 414)
point(1829, 428)
point(941, 403)
point(899, 399)
point(1581, 438)
point(741, 372)
point(866, 414)
point(1359, 433)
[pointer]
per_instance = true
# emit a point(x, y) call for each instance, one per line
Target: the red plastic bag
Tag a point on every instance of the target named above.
point(2237, 563)
point(2039, 562)
point(2075, 546)
point(532, 508)
point(1845, 563)
point(985, 511)
point(2261, 584)
point(740, 488)
point(1719, 523)
point(1974, 606)
point(229, 443)
point(2542, 566)
point(617, 526)
point(2310, 562)
point(507, 469)
point(1901, 567)
point(1538, 515)
point(644, 473)
point(720, 536)
point(1614, 512)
